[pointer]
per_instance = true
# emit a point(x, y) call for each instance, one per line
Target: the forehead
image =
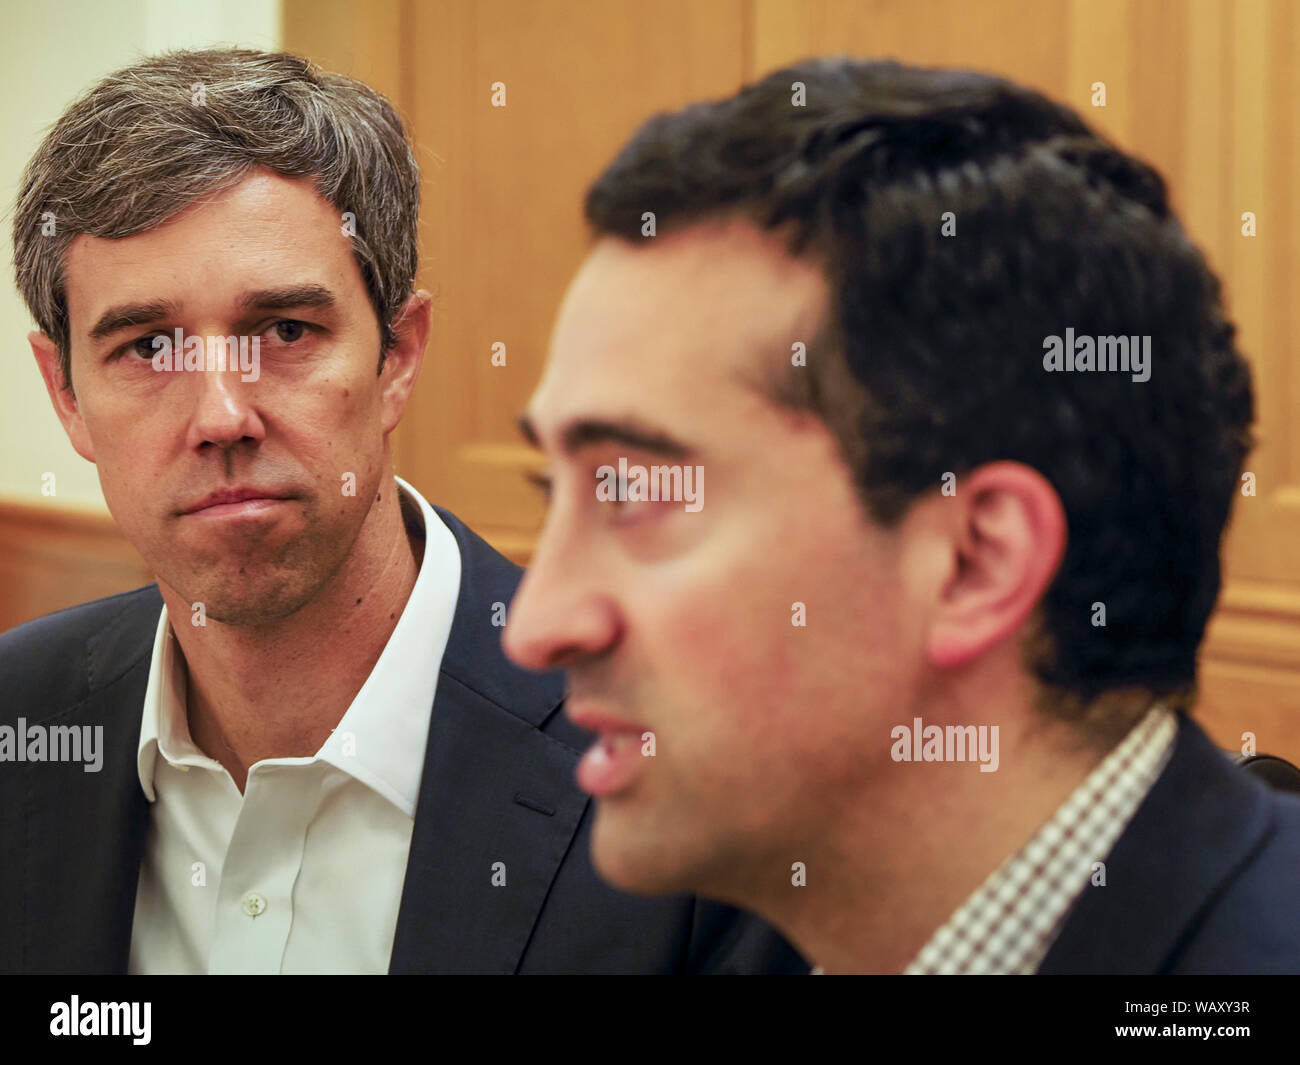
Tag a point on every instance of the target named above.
point(678, 326)
point(255, 234)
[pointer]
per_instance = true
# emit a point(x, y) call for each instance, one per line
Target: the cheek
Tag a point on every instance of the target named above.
point(776, 666)
point(722, 667)
point(731, 644)
point(332, 424)
point(134, 443)
point(352, 410)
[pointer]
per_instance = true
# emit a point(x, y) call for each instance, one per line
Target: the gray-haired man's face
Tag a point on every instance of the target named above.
point(263, 267)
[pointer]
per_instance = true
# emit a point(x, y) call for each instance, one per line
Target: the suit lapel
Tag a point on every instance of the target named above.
point(498, 805)
point(1202, 819)
point(86, 830)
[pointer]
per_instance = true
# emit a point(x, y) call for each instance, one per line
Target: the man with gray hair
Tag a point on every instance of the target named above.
point(315, 757)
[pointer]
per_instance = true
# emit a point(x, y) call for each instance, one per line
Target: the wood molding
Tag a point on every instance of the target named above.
point(52, 557)
point(1256, 624)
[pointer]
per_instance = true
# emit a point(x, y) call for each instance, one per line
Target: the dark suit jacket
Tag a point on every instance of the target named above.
point(1205, 878)
point(498, 786)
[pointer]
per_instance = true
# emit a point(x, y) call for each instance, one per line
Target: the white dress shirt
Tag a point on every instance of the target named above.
point(303, 873)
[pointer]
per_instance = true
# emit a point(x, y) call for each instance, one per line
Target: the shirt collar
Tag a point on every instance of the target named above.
point(1012, 919)
point(381, 738)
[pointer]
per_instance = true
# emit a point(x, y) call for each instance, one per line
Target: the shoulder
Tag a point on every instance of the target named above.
point(62, 657)
point(486, 574)
point(1202, 880)
point(1253, 925)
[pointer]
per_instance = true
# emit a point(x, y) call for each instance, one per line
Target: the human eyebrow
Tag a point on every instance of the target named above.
point(589, 432)
point(127, 315)
point(279, 299)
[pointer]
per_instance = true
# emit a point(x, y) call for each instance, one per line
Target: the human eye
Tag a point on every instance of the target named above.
point(141, 349)
point(294, 329)
point(626, 493)
point(540, 481)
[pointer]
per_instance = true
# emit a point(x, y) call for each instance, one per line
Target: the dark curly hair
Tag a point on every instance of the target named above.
point(943, 335)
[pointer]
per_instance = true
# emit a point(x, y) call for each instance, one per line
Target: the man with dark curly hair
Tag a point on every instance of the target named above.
point(912, 679)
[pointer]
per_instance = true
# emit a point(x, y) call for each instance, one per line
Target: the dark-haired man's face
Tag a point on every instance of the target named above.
point(266, 258)
point(762, 637)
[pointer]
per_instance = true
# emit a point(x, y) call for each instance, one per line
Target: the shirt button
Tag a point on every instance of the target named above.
point(254, 904)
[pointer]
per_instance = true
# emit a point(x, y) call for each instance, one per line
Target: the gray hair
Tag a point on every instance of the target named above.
point(149, 140)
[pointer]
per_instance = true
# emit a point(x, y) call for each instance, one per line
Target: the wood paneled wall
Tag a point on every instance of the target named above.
point(1209, 91)
point(51, 558)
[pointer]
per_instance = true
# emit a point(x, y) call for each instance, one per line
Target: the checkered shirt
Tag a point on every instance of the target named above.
point(1012, 919)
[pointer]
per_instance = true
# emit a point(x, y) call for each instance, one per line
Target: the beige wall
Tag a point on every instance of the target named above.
point(50, 53)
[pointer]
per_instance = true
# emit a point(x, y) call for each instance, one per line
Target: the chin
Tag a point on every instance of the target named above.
point(637, 860)
point(241, 600)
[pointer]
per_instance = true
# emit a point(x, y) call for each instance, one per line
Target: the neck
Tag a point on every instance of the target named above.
point(278, 690)
point(883, 877)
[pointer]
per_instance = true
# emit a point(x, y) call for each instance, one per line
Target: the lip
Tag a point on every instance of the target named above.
point(614, 761)
point(594, 721)
point(236, 501)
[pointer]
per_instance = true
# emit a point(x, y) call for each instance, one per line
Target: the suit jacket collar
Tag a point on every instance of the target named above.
point(1202, 819)
point(498, 804)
